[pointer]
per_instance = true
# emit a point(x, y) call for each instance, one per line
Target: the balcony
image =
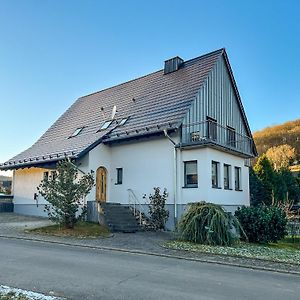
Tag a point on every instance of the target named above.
point(210, 133)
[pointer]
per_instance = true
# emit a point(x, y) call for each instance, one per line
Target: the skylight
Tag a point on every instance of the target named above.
point(123, 121)
point(105, 125)
point(76, 132)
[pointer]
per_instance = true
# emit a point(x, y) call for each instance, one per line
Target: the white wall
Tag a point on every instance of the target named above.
point(25, 182)
point(205, 191)
point(145, 165)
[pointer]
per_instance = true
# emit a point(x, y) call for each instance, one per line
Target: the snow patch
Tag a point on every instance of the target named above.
point(4, 290)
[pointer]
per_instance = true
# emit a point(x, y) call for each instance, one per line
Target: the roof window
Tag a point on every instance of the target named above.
point(123, 121)
point(105, 125)
point(76, 132)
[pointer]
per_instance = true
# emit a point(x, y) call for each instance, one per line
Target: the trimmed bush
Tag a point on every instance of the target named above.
point(263, 224)
point(208, 223)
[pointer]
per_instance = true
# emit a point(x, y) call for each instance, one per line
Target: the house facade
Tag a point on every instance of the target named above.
point(182, 128)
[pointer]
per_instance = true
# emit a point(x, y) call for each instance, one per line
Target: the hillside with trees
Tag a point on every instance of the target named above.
point(284, 134)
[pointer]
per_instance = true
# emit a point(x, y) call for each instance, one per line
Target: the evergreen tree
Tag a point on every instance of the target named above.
point(265, 172)
point(65, 193)
point(257, 190)
point(292, 186)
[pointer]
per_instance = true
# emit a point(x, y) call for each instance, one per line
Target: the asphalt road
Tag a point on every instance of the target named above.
point(81, 273)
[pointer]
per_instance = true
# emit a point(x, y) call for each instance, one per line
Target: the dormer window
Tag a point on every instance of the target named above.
point(76, 132)
point(105, 125)
point(123, 121)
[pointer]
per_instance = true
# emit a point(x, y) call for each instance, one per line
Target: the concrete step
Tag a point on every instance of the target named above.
point(119, 218)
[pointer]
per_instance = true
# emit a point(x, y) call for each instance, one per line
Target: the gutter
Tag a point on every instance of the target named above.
point(174, 175)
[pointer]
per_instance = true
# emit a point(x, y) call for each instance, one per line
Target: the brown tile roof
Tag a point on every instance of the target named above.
point(153, 102)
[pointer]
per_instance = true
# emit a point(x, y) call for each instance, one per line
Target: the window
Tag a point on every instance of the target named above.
point(76, 132)
point(237, 178)
point(105, 125)
point(123, 121)
point(53, 175)
point(211, 128)
point(119, 176)
point(215, 174)
point(227, 176)
point(46, 175)
point(190, 174)
point(231, 138)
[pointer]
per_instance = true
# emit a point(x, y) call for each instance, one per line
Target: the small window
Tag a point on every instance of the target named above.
point(105, 125)
point(123, 121)
point(119, 176)
point(215, 174)
point(46, 175)
point(190, 174)
point(237, 178)
point(227, 176)
point(76, 132)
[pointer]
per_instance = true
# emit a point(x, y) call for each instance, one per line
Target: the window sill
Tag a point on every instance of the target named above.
point(190, 187)
point(118, 183)
point(238, 190)
point(227, 189)
point(216, 187)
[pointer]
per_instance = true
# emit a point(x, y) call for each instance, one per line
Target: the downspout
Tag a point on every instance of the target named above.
point(174, 175)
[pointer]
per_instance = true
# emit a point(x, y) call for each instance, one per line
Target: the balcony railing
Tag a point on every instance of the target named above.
point(210, 132)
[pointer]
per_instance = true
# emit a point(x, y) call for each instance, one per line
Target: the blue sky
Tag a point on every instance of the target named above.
point(53, 52)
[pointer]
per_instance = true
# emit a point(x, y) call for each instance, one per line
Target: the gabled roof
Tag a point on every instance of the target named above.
point(153, 102)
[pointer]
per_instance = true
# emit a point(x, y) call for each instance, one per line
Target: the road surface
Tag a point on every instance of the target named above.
point(83, 273)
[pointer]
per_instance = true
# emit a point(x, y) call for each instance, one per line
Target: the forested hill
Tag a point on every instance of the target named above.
point(286, 133)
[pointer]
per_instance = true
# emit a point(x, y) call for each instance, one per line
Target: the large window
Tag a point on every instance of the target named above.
point(211, 128)
point(227, 176)
point(215, 174)
point(231, 137)
point(190, 174)
point(237, 178)
point(119, 176)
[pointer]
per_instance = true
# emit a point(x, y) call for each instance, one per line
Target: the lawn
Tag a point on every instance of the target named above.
point(81, 230)
point(283, 251)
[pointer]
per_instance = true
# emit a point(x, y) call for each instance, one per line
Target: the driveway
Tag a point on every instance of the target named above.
point(85, 273)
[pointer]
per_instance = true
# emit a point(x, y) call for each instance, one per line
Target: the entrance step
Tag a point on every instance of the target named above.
point(119, 218)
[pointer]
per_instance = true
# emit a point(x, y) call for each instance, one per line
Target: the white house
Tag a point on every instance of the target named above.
point(182, 128)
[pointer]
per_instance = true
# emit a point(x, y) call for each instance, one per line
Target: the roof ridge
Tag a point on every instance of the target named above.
point(160, 70)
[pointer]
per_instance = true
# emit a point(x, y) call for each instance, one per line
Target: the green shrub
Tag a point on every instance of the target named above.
point(263, 224)
point(208, 223)
point(157, 208)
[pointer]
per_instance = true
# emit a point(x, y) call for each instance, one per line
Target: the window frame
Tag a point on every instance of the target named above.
point(238, 178)
point(231, 136)
point(76, 132)
point(186, 184)
point(119, 176)
point(123, 121)
point(103, 127)
point(228, 168)
point(212, 128)
point(217, 171)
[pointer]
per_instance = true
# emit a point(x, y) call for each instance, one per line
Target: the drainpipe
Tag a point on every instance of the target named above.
point(174, 175)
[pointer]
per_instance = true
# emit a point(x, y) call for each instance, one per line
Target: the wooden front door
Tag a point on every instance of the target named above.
point(101, 184)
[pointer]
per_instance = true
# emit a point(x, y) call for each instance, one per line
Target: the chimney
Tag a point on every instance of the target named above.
point(173, 64)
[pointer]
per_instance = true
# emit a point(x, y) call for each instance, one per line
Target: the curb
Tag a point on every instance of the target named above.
point(140, 252)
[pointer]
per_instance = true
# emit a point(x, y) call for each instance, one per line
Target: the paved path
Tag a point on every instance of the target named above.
point(12, 225)
point(82, 273)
